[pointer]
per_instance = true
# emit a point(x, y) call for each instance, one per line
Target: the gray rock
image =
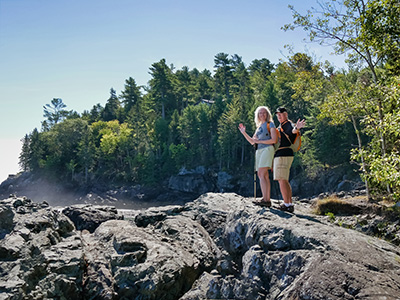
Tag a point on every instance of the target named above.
point(154, 215)
point(224, 182)
point(158, 262)
point(191, 183)
point(219, 246)
point(300, 258)
point(41, 256)
point(89, 217)
point(6, 220)
point(296, 186)
point(344, 185)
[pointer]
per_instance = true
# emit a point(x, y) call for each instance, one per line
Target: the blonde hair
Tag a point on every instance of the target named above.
point(257, 120)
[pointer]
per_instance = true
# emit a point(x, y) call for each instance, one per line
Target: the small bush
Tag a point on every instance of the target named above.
point(335, 206)
point(331, 216)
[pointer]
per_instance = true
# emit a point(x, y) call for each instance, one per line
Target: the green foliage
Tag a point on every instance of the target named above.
point(283, 79)
point(368, 30)
point(223, 75)
point(178, 156)
point(131, 98)
point(229, 137)
point(331, 216)
point(380, 30)
point(195, 132)
point(54, 113)
point(162, 88)
point(333, 143)
point(383, 169)
point(338, 23)
point(112, 109)
point(24, 155)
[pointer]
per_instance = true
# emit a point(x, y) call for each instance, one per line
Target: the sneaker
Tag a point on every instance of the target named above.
point(263, 203)
point(290, 208)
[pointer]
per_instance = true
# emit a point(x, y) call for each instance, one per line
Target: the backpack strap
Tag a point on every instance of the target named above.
point(269, 130)
point(280, 130)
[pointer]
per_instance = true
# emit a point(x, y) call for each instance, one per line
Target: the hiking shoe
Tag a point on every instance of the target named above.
point(290, 208)
point(263, 203)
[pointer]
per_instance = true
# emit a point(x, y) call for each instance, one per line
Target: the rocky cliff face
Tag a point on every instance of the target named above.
point(220, 246)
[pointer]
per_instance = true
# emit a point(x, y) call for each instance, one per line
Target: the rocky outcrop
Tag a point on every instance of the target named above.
point(41, 253)
point(284, 256)
point(219, 246)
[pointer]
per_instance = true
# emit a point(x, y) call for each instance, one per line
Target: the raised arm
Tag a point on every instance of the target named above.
point(242, 129)
point(299, 125)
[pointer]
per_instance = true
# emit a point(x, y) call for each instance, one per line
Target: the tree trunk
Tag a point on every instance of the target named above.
point(363, 165)
point(162, 106)
point(242, 156)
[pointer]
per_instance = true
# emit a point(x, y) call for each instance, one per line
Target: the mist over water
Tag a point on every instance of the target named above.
point(59, 196)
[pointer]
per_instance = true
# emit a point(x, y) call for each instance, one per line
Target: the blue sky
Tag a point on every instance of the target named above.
point(77, 50)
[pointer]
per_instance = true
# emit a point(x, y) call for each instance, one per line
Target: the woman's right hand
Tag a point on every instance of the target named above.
point(242, 128)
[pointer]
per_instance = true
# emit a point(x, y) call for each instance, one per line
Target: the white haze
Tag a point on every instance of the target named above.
point(9, 153)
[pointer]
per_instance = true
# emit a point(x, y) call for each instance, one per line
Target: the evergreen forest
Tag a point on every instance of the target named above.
point(185, 118)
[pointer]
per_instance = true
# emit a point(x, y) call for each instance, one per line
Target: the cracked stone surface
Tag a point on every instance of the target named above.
point(220, 246)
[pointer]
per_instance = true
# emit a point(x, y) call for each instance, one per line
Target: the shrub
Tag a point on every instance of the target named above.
point(335, 206)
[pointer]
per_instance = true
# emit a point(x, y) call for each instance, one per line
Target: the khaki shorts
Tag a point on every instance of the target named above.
point(282, 167)
point(265, 157)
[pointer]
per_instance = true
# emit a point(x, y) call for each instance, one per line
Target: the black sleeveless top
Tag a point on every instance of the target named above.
point(287, 127)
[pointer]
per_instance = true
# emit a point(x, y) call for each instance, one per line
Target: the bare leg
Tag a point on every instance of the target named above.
point(286, 190)
point(265, 184)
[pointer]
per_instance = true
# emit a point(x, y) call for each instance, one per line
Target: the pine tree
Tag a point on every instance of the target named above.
point(54, 113)
point(161, 87)
point(24, 155)
point(112, 109)
point(223, 75)
point(130, 96)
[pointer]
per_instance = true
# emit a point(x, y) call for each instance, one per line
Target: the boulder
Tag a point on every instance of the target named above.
point(89, 217)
